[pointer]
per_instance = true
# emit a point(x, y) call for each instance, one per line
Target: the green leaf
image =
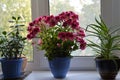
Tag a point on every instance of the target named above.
point(14, 18)
point(11, 21)
point(4, 32)
point(18, 18)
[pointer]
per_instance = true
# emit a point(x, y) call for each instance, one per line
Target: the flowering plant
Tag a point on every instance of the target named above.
point(58, 35)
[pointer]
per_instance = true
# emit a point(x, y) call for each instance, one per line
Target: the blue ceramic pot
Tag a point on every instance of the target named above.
point(11, 68)
point(59, 66)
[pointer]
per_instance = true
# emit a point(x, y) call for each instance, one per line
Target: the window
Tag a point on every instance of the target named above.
point(87, 11)
point(9, 8)
point(40, 8)
point(109, 11)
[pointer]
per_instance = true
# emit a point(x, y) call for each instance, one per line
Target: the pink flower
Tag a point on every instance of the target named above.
point(69, 36)
point(62, 36)
point(66, 36)
point(44, 18)
point(81, 34)
point(82, 43)
point(39, 19)
point(75, 17)
point(58, 44)
point(36, 21)
point(31, 24)
point(36, 30)
point(65, 24)
point(40, 42)
point(30, 28)
point(74, 25)
point(62, 16)
point(51, 21)
point(68, 14)
point(79, 39)
point(33, 33)
point(57, 18)
point(83, 46)
point(69, 21)
point(29, 36)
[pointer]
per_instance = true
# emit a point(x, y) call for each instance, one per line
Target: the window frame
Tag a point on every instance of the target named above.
point(41, 7)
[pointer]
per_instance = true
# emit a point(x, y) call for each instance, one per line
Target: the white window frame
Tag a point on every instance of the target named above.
point(110, 14)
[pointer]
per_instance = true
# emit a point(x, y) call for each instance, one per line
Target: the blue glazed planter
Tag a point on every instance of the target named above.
point(11, 68)
point(59, 66)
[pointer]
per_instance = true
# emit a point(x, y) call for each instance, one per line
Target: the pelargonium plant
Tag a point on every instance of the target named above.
point(57, 35)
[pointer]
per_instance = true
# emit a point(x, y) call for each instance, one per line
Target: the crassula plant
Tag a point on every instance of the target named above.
point(12, 43)
point(57, 35)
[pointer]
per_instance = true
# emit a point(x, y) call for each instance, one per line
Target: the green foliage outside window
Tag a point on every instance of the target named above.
point(20, 8)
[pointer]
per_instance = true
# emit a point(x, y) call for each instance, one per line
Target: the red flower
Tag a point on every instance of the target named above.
point(65, 24)
point(69, 36)
point(83, 46)
point(81, 34)
point(75, 25)
point(75, 17)
point(62, 35)
point(31, 24)
point(51, 20)
point(30, 36)
point(79, 39)
point(30, 28)
point(57, 18)
point(36, 29)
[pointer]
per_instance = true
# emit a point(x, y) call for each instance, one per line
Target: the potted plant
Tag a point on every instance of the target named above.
point(107, 62)
point(58, 36)
point(11, 47)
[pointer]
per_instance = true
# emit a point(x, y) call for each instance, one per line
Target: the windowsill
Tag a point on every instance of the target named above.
point(72, 75)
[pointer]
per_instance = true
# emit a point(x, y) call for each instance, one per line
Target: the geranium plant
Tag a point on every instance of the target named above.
point(58, 35)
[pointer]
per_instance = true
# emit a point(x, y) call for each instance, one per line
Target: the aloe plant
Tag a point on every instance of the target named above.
point(109, 40)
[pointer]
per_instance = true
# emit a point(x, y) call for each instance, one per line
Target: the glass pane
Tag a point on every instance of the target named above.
point(87, 10)
point(9, 8)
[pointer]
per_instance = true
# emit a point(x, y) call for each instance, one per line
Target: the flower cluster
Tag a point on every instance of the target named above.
point(60, 33)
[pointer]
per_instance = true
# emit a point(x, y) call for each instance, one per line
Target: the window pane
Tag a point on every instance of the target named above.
point(21, 8)
point(87, 10)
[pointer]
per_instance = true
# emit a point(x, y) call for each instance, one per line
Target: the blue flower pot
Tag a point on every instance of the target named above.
point(59, 66)
point(11, 68)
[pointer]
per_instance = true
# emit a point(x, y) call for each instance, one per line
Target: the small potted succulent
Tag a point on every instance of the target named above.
point(107, 62)
point(11, 47)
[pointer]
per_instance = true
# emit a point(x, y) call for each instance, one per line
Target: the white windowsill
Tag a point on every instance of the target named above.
point(72, 75)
